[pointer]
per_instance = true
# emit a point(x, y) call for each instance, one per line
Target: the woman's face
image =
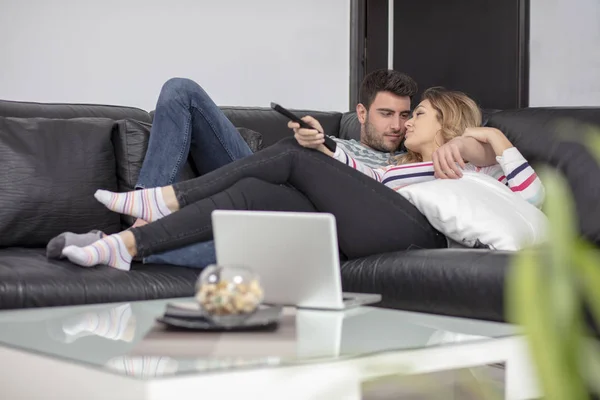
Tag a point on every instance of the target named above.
point(422, 129)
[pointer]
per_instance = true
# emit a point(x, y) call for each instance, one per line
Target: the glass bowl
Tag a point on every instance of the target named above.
point(228, 294)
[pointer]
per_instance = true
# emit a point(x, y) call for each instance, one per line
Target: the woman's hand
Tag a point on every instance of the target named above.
point(310, 138)
point(492, 136)
point(448, 160)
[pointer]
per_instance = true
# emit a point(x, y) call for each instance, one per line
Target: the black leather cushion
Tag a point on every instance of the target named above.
point(130, 140)
point(131, 143)
point(542, 136)
point(486, 113)
point(24, 109)
point(50, 171)
point(252, 138)
point(273, 126)
point(456, 282)
point(350, 127)
point(29, 279)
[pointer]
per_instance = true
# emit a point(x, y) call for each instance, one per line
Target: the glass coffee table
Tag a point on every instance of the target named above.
point(119, 350)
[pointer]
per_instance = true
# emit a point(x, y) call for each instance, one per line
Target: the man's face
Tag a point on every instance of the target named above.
point(382, 126)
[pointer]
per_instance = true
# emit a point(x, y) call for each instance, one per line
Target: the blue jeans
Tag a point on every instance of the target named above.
point(187, 123)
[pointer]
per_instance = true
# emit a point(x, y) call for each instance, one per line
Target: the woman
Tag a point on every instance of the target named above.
point(291, 176)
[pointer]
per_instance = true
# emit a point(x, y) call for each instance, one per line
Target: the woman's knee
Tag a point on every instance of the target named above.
point(256, 194)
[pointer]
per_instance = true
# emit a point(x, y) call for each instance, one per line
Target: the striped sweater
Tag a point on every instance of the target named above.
point(512, 170)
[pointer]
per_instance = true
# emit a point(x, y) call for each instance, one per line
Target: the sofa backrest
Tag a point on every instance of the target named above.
point(557, 136)
point(21, 109)
point(132, 128)
point(273, 126)
point(533, 131)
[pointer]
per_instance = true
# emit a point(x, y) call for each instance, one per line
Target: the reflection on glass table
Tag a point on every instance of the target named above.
point(143, 366)
point(113, 323)
point(126, 338)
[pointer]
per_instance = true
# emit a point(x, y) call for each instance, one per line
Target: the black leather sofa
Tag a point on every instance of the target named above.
point(467, 283)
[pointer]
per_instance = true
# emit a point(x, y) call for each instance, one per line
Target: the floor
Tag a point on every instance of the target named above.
point(485, 382)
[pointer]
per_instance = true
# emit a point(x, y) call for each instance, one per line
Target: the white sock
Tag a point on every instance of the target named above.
point(109, 251)
point(147, 204)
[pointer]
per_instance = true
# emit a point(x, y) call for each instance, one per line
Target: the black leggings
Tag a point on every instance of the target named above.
point(370, 217)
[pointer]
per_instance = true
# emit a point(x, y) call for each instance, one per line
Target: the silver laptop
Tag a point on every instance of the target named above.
point(295, 255)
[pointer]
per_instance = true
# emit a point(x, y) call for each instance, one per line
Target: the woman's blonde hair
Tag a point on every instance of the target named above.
point(456, 112)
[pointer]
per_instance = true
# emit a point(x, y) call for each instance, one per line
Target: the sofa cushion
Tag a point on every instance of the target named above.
point(549, 136)
point(458, 282)
point(130, 140)
point(252, 138)
point(273, 126)
point(350, 126)
point(28, 109)
point(29, 279)
point(51, 169)
point(131, 143)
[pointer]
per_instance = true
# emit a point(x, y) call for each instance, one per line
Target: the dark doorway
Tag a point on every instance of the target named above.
point(368, 41)
point(478, 46)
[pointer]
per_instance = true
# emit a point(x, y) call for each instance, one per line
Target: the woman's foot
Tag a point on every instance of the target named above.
point(56, 245)
point(116, 251)
point(146, 204)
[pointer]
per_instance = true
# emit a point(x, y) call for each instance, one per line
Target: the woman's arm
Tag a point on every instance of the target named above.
point(477, 153)
point(450, 158)
point(513, 169)
point(395, 176)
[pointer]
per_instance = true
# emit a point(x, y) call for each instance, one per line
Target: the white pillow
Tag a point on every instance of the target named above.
point(478, 207)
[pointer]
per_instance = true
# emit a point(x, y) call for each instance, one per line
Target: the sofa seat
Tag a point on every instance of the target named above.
point(457, 282)
point(29, 279)
point(452, 282)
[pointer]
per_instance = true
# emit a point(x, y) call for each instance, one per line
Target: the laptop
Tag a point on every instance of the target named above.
point(295, 255)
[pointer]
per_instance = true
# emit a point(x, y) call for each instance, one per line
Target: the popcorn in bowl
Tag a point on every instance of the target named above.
point(228, 294)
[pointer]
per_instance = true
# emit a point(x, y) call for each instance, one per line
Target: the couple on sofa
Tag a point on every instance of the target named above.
point(357, 182)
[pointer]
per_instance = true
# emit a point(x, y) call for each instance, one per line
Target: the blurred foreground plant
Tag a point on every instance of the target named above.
point(548, 291)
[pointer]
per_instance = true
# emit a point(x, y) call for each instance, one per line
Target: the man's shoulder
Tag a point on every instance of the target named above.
point(356, 146)
point(372, 158)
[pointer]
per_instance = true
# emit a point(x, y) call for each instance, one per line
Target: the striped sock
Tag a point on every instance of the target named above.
point(109, 251)
point(147, 204)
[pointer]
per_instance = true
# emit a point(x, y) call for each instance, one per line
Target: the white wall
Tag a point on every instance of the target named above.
point(243, 52)
point(564, 53)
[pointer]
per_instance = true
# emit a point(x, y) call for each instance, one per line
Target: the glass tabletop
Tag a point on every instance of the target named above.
point(126, 339)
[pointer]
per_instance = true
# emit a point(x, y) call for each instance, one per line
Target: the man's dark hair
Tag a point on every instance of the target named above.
point(386, 80)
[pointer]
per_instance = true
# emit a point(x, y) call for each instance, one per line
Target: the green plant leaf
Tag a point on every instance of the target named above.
point(545, 290)
point(592, 139)
point(587, 262)
point(562, 235)
point(591, 364)
point(529, 305)
point(571, 130)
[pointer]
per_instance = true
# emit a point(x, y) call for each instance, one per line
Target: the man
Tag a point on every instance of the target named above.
point(188, 123)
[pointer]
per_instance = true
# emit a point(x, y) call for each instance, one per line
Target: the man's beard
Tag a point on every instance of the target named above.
point(376, 141)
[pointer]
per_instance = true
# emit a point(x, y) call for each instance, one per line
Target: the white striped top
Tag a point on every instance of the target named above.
point(512, 170)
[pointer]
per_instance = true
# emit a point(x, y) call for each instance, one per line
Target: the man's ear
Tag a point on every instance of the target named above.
point(361, 113)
